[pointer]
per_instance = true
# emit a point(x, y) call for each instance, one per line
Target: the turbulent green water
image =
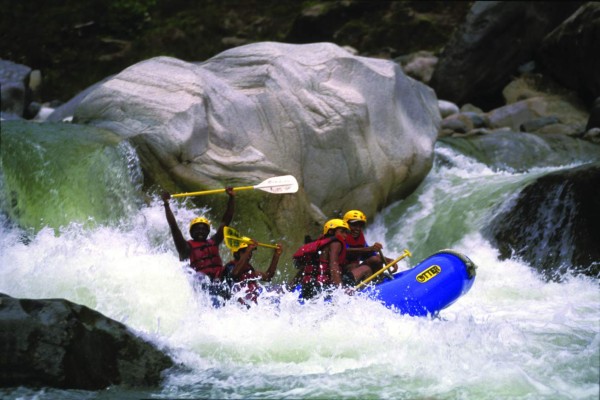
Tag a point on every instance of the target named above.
point(513, 336)
point(57, 174)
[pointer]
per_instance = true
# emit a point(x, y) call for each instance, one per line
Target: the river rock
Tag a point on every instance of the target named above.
point(516, 115)
point(14, 89)
point(447, 108)
point(56, 343)
point(419, 65)
point(570, 52)
point(553, 222)
point(505, 150)
point(356, 132)
point(487, 50)
point(65, 111)
point(594, 120)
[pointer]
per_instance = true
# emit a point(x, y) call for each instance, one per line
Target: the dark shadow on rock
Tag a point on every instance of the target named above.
point(486, 52)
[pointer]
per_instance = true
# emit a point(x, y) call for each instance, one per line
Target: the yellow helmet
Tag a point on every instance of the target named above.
point(355, 215)
point(334, 223)
point(199, 220)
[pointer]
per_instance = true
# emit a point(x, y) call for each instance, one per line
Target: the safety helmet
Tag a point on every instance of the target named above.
point(199, 220)
point(333, 224)
point(355, 215)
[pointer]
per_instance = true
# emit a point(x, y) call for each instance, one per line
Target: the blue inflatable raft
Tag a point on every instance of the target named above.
point(426, 289)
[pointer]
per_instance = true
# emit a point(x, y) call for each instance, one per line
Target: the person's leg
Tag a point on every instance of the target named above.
point(361, 272)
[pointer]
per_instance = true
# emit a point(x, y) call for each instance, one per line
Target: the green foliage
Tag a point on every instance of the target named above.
point(76, 43)
point(129, 16)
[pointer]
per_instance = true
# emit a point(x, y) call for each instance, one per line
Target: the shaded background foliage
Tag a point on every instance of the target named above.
point(76, 43)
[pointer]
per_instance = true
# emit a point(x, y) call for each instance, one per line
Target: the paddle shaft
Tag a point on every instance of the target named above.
point(406, 253)
point(214, 191)
point(270, 246)
point(389, 275)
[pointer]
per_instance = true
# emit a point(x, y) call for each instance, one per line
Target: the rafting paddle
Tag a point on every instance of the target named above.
point(233, 239)
point(404, 254)
point(387, 274)
point(276, 185)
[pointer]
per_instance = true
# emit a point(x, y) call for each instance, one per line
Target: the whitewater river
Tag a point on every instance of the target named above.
point(513, 336)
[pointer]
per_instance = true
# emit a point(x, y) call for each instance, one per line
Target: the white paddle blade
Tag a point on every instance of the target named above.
point(279, 185)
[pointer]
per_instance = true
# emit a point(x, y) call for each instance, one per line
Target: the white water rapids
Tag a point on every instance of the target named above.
point(513, 336)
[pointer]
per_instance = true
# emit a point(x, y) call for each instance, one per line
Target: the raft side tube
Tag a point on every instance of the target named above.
point(426, 289)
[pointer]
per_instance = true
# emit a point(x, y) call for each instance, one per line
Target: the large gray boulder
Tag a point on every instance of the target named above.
point(356, 132)
point(56, 343)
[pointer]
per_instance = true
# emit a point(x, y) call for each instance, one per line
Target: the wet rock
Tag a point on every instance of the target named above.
point(502, 149)
point(56, 343)
point(553, 222)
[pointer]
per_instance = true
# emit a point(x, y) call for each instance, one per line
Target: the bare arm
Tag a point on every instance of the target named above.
point(227, 217)
point(367, 249)
point(183, 247)
point(239, 264)
point(334, 264)
point(267, 276)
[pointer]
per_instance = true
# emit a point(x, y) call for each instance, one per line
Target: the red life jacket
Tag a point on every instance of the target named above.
point(205, 258)
point(315, 267)
point(358, 242)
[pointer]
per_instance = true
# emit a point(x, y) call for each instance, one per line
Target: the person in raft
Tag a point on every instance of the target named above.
point(243, 277)
point(320, 262)
point(202, 251)
point(362, 260)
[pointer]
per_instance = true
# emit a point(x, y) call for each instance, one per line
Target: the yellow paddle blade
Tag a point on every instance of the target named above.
point(233, 239)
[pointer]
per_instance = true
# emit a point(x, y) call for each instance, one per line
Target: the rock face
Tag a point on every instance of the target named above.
point(14, 88)
point(356, 132)
point(554, 222)
point(570, 52)
point(56, 343)
point(496, 38)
